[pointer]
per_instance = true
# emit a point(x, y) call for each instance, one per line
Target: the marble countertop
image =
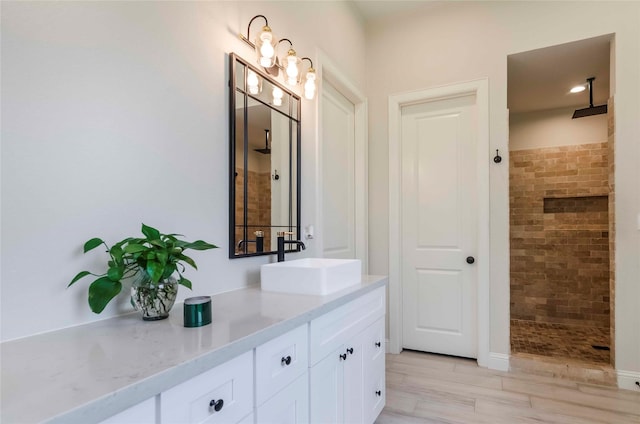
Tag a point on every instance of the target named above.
point(87, 373)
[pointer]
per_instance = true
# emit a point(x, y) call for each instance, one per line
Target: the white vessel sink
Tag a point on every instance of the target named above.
point(318, 276)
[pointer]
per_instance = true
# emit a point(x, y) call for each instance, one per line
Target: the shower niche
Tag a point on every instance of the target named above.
point(264, 189)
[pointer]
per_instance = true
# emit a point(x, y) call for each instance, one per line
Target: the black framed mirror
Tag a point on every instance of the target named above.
point(264, 166)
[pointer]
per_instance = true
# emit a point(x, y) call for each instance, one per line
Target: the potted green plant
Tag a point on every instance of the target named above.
point(152, 261)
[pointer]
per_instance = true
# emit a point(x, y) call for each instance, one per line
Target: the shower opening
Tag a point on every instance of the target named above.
point(561, 194)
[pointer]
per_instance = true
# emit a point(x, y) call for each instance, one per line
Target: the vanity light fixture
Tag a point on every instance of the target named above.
point(292, 68)
point(310, 81)
point(265, 44)
point(266, 47)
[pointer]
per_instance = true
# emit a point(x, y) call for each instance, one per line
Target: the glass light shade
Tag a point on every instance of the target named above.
point(292, 68)
point(310, 84)
point(277, 96)
point(253, 82)
point(266, 47)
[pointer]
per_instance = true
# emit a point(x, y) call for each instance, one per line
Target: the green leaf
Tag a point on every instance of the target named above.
point(92, 244)
point(158, 243)
point(150, 232)
point(79, 276)
point(155, 270)
point(101, 291)
point(169, 269)
point(116, 252)
point(187, 260)
point(185, 282)
point(115, 273)
point(200, 245)
point(162, 256)
point(134, 248)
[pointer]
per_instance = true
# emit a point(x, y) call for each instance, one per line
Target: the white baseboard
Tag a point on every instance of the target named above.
point(627, 380)
point(498, 361)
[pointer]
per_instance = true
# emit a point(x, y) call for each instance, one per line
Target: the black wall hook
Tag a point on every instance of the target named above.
point(497, 158)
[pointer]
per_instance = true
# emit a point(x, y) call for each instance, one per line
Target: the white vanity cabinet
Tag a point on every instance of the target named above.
point(347, 384)
point(223, 394)
point(273, 358)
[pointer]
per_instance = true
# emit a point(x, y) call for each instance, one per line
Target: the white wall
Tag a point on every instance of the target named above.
point(116, 113)
point(553, 128)
point(460, 41)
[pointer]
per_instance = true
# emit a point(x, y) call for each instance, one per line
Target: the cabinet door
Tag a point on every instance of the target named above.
point(327, 389)
point(249, 419)
point(354, 380)
point(289, 406)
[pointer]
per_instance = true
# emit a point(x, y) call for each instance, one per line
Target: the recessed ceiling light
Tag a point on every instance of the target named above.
point(578, 89)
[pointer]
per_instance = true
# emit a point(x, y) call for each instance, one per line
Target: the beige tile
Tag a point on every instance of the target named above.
point(610, 392)
point(387, 417)
point(401, 402)
point(394, 377)
point(489, 381)
point(567, 395)
point(418, 384)
point(421, 389)
point(582, 411)
point(519, 415)
point(447, 413)
point(424, 361)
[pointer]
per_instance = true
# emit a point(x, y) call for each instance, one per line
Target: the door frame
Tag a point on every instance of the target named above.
point(479, 88)
point(328, 71)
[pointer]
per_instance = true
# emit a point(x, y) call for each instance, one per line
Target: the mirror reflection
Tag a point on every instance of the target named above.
point(264, 192)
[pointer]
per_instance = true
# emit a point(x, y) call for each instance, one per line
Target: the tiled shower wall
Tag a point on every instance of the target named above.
point(258, 206)
point(612, 226)
point(560, 234)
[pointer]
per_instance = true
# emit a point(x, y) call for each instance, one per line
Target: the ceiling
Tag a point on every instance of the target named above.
point(541, 79)
point(537, 79)
point(374, 9)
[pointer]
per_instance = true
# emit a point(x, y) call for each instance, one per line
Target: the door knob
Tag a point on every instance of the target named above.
point(350, 350)
point(343, 356)
point(470, 259)
point(378, 393)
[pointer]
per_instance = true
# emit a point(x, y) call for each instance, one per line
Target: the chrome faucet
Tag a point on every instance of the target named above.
point(282, 242)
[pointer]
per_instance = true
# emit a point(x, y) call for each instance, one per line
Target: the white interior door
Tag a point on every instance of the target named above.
point(439, 207)
point(338, 175)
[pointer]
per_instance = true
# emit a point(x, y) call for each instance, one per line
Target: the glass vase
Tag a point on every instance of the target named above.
point(153, 300)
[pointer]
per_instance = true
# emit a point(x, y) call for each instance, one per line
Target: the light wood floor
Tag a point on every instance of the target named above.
point(427, 388)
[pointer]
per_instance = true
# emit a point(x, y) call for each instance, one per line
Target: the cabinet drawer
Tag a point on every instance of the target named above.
point(374, 343)
point(227, 387)
point(289, 406)
point(280, 361)
point(338, 326)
